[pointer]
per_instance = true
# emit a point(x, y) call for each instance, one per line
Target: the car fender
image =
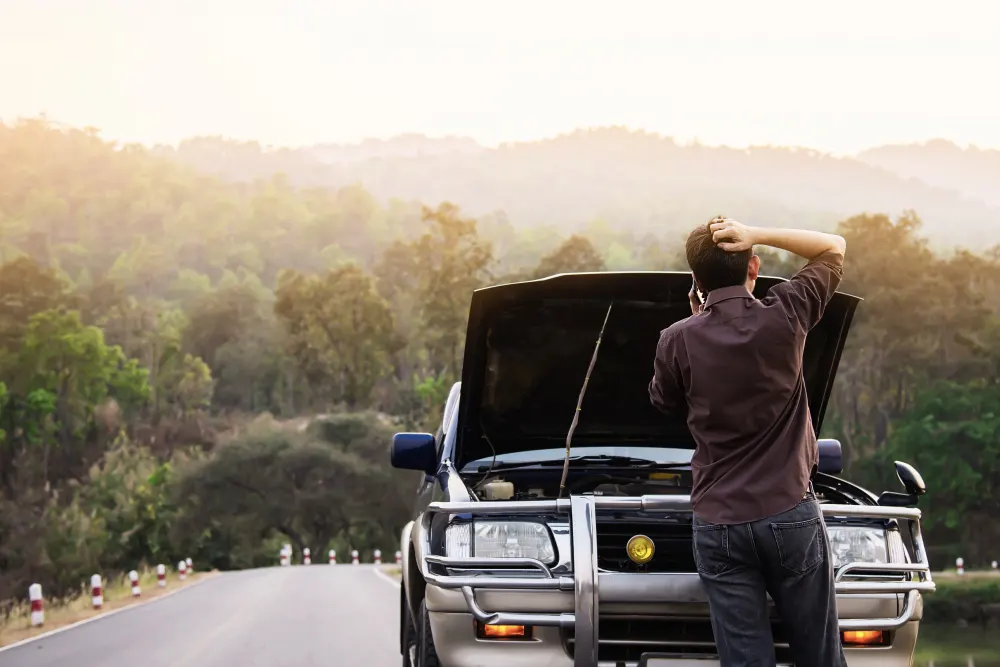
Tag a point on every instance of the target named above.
point(412, 580)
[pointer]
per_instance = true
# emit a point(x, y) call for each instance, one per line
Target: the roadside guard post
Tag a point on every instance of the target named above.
point(161, 575)
point(37, 606)
point(133, 578)
point(283, 557)
point(96, 595)
point(306, 559)
point(399, 558)
point(354, 556)
point(182, 570)
point(960, 566)
point(190, 565)
point(333, 556)
point(378, 557)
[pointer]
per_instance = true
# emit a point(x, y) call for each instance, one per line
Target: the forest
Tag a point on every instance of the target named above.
point(198, 366)
point(639, 181)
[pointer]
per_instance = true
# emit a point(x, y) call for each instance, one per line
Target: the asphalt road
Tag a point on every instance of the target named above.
point(296, 616)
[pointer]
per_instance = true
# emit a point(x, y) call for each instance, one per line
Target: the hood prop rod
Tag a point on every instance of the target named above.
point(579, 400)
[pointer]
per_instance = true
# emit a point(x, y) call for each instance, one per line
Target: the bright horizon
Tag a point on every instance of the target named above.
point(292, 74)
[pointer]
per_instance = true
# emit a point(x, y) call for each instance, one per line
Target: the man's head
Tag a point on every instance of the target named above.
point(713, 267)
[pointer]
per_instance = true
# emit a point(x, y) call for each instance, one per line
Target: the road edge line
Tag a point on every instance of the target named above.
point(107, 614)
point(386, 578)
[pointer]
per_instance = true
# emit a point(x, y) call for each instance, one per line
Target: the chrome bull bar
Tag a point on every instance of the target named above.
point(585, 580)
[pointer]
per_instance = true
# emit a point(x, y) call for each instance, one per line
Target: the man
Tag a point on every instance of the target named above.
point(735, 365)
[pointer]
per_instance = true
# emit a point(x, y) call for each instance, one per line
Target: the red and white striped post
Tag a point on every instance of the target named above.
point(37, 605)
point(283, 557)
point(161, 575)
point(133, 578)
point(96, 594)
point(994, 566)
point(333, 556)
point(378, 557)
point(190, 566)
point(399, 558)
point(960, 566)
point(306, 556)
point(354, 556)
point(182, 570)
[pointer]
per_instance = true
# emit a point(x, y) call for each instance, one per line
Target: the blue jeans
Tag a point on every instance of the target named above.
point(787, 556)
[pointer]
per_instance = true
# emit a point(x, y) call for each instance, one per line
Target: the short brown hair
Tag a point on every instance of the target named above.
point(712, 266)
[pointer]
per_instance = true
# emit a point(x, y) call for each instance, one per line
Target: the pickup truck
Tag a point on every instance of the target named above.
point(506, 564)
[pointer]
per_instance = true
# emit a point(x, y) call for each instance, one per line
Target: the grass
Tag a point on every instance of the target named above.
point(970, 575)
point(961, 597)
point(947, 645)
point(117, 593)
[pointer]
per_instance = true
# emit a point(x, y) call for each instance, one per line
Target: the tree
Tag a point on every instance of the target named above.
point(450, 262)
point(341, 331)
point(128, 492)
point(232, 329)
point(952, 435)
point(271, 480)
point(70, 362)
point(576, 255)
point(908, 330)
point(62, 378)
point(187, 386)
point(3, 402)
point(26, 288)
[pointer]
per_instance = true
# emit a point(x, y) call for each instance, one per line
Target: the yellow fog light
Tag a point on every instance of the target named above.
point(640, 549)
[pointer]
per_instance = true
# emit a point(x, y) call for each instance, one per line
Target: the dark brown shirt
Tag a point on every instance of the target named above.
point(737, 365)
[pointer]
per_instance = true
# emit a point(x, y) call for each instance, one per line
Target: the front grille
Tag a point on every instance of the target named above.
point(671, 536)
point(626, 638)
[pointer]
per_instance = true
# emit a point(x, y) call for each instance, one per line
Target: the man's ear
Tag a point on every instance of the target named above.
point(754, 268)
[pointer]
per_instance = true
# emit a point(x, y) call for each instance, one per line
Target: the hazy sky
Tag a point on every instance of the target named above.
point(836, 76)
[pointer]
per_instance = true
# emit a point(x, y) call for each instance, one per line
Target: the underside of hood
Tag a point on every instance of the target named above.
point(529, 345)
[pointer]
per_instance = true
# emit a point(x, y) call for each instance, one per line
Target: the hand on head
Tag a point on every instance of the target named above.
point(730, 235)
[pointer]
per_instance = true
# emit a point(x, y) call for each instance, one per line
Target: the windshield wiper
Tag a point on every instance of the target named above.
point(605, 459)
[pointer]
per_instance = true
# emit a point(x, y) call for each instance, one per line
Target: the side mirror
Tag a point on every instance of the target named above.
point(831, 457)
point(912, 482)
point(414, 451)
point(911, 479)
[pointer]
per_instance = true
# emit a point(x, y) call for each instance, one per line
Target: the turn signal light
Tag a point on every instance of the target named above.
point(864, 638)
point(503, 631)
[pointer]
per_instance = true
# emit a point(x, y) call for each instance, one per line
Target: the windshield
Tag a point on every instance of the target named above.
point(657, 454)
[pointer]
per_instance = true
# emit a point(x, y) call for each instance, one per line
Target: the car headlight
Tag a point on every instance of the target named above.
point(850, 544)
point(499, 539)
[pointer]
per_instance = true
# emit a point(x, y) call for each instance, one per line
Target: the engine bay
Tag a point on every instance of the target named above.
point(514, 486)
point(597, 484)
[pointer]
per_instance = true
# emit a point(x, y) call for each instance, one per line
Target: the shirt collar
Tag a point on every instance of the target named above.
point(726, 293)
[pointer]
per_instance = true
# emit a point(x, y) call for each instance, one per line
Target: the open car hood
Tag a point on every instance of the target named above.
point(529, 344)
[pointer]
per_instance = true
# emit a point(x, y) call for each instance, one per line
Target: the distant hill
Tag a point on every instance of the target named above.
point(404, 145)
point(972, 171)
point(636, 180)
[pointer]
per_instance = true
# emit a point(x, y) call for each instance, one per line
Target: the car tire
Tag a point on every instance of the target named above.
point(408, 638)
point(426, 654)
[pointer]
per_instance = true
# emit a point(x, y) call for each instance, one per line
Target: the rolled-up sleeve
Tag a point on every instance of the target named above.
point(805, 295)
point(666, 391)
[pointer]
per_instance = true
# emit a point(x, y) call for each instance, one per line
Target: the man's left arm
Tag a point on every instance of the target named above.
point(666, 392)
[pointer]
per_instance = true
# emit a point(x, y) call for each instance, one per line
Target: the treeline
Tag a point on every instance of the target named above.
point(148, 313)
point(639, 181)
